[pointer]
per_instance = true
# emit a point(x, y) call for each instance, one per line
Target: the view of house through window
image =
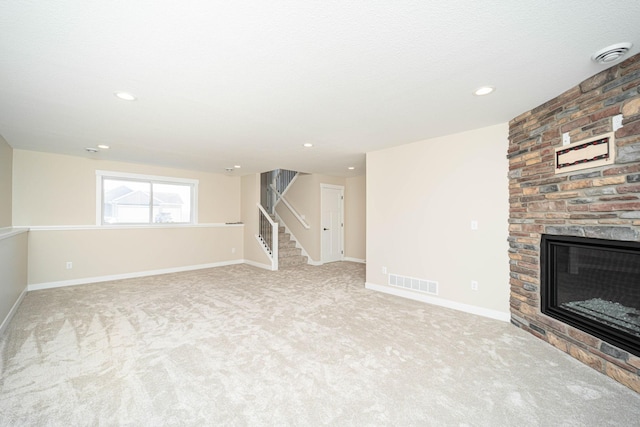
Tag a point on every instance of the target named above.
point(139, 201)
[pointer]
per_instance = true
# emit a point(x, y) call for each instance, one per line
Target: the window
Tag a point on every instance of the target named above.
point(140, 199)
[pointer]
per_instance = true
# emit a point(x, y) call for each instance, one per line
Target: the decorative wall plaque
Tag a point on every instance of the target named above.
point(590, 153)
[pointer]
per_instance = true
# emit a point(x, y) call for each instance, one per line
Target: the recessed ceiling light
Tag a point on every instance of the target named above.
point(103, 146)
point(484, 90)
point(351, 168)
point(237, 166)
point(307, 145)
point(125, 95)
point(229, 169)
point(91, 150)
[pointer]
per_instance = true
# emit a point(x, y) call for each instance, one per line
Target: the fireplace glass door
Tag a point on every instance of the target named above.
point(593, 285)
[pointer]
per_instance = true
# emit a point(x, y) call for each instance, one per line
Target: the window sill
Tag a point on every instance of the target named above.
point(129, 226)
point(8, 232)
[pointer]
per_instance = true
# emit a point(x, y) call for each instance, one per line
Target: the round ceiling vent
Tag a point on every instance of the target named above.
point(611, 53)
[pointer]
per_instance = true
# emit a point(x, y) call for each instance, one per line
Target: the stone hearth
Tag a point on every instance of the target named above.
point(600, 202)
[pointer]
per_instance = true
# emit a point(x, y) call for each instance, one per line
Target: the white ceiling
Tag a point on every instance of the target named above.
point(247, 82)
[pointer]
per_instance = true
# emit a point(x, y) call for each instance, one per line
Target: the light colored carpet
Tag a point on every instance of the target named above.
point(303, 346)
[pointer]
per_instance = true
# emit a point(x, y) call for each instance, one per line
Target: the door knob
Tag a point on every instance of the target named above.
point(325, 229)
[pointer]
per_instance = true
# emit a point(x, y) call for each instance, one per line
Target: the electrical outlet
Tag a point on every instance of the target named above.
point(233, 250)
point(384, 270)
point(566, 139)
point(69, 265)
point(474, 285)
point(474, 224)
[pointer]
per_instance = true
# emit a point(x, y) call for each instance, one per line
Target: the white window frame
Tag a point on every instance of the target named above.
point(154, 179)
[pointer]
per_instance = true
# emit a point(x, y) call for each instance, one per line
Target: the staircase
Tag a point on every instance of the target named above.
point(288, 254)
point(273, 186)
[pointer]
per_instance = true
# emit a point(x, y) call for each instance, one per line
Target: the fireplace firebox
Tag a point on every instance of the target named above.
point(593, 285)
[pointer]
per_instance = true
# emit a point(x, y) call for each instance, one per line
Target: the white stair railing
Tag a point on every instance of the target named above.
point(283, 178)
point(268, 236)
point(279, 181)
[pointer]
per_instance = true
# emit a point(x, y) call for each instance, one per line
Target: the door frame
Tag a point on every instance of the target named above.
point(324, 187)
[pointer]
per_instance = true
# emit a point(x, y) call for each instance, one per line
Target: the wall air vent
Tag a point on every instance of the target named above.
point(419, 285)
point(611, 53)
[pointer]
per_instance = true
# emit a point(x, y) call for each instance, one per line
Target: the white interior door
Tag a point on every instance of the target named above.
point(332, 222)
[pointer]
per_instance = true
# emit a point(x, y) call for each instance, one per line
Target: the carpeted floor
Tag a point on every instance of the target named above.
point(302, 346)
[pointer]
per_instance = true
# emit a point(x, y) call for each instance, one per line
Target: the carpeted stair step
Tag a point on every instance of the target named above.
point(289, 252)
point(291, 261)
point(285, 241)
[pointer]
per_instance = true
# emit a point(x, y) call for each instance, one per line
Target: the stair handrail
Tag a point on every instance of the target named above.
point(280, 180)
point(291, 208)
point(268, 235)
point(283, 179)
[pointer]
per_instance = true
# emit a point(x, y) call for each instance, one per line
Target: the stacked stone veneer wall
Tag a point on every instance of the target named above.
point(602, 202)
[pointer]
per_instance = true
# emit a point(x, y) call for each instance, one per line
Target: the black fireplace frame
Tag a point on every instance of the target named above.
point(549, 298)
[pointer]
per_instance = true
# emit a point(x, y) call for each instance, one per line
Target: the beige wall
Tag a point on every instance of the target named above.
point(304, 196)
point(13, 272)
point(13, 244)
point(96, 253)
point(355, 208)
point(253, 253)
point(53, 189)
point(57, 191)
point(421, 199)
point(6, 170)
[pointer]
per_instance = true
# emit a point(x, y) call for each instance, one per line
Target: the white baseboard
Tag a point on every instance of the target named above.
point(348, 258)
point(472, 309)
point(87, 280)
point(12, 312)
point(259, 265)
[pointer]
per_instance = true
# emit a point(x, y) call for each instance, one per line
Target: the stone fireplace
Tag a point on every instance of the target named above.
point(579, 207)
